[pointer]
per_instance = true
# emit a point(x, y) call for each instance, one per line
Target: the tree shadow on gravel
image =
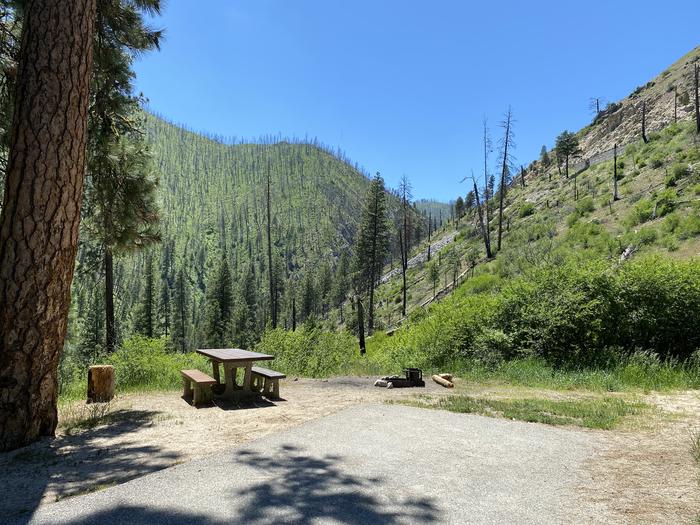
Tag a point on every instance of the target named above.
point(81, 462)
point(301, 489)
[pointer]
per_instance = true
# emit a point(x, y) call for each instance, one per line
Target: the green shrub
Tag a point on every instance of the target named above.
point(585, 205)
point(559, 313)
point(642, 211)
point(689, 226)
point(678, 171)
point(659, 300)
point(656, 161)
point(572, 219)
point(145, 364)
point(665, 202)
point(526, 210)
point(309, 351)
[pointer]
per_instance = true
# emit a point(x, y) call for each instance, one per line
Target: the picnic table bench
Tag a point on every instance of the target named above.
point(267, 381)
point(197, 385)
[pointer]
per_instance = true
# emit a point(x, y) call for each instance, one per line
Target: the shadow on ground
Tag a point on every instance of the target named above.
point(243, 404)
point(75, 464)
point(302, 489)
point(298, 489)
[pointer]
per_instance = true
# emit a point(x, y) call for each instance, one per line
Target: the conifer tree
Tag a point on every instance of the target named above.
point(164, 309)
point(245, 324)
point(91, 331)
point(566, 146)
point(180, 334)
point(341, 284)
point(218, 309)
point(308, 298)
point(372, 244)
point(459, 209)
point(145, 314)
point(120, 204)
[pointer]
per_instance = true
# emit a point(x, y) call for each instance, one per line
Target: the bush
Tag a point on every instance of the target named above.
point(678, 172)
point(527, 209)
point(585, 205)
point(560, 313)
point(659, 302)
point(145, 364)
point(642, 211)
point(689, 226)
point(309, 351)
point(665, 202)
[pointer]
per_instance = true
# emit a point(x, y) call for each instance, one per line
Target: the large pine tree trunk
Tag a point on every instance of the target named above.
point(41, 212)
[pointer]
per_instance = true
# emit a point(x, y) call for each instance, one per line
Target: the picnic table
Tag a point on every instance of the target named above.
point(232, 359)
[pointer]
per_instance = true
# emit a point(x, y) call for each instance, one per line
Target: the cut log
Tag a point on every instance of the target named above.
point(446, 376)
point(380, 382)
point(100, 384)
point(444, 382)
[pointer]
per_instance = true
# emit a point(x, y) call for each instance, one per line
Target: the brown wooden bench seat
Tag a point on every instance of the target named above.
point(200, 383)
point(267, 381)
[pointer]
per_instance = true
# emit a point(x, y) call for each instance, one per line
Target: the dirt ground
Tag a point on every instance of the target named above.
point(641, 475)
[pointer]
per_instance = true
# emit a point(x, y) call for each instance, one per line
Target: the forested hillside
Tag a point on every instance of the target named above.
point(647, 201)
point(213, 199)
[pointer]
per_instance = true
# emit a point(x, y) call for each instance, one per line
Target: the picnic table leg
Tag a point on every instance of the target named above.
point(215, 365)
point(248, 376)
point(230, 378)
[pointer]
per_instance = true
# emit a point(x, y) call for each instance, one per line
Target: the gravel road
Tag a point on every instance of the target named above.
point(385, 464)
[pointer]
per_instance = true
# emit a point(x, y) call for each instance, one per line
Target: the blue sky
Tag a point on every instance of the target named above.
point(402, 86)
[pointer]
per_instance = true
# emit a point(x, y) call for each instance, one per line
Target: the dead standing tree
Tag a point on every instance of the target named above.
point(507, 144)
point(697, 100)
point(41, 211)
point(485, 216)
point(404, 235)
point(616, 197)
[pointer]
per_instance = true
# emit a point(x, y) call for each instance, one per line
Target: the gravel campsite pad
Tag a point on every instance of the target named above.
point(403, 464)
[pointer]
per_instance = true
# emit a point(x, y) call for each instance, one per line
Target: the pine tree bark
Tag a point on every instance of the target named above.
point(361, 326)
point(110, 330)
point(404, 267)
point(41, 212)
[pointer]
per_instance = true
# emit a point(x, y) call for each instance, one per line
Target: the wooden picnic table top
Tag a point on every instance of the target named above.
point(232, 355)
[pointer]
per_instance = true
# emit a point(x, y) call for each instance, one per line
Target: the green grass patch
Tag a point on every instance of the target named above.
point(605, 413)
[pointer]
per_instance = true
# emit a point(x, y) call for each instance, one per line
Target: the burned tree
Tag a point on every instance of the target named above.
point(697, 101)
point(507, 144)
point(615, 195)
point(404, 235)
point(644, 122)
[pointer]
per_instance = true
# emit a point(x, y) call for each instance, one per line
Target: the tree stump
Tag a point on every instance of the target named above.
point(100, 384)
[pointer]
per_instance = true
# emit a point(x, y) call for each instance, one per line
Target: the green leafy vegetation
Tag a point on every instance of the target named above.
point(603, 413)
